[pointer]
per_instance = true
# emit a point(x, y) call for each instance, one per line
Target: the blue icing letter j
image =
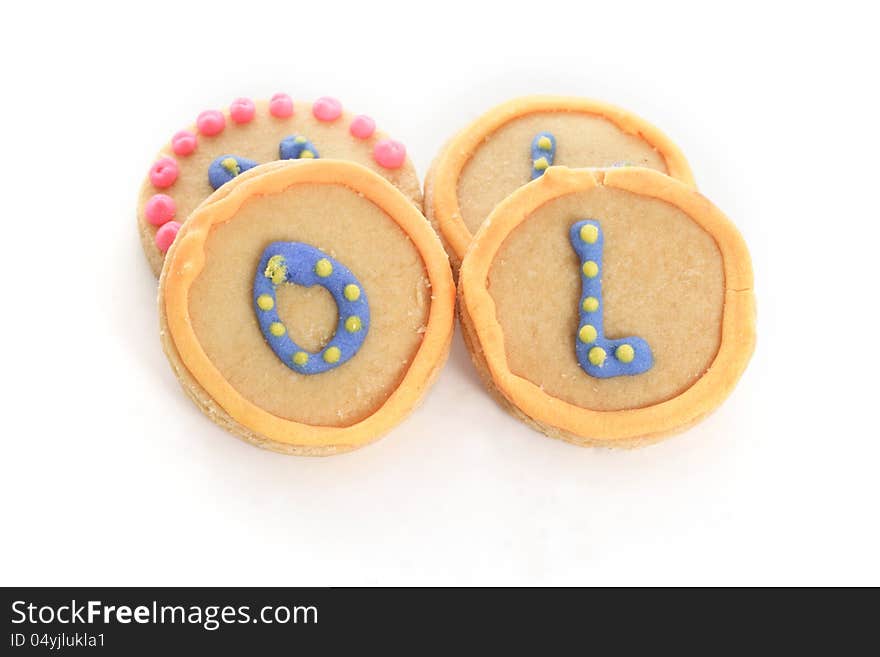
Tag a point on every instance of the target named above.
point(597, 355)
point(302, 264)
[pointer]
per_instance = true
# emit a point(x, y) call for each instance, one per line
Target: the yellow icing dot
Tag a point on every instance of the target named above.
point(596, 356)
point(276, 269)
point(306, 155)
point(545, 144)
point(323, 268)
point(591, 304)
point(625, 353)
point(277, 329)
point(265, 302)
point(352, 292)
point(300, 140)
point(541, 163)
point(591, 269)
point(587, 334)
point(300, 358)
point(589, 233)
point(332, 355)
point(353, 324)
point(230, 165)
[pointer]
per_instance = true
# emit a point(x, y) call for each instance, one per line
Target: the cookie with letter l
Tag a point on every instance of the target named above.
point(608, 307)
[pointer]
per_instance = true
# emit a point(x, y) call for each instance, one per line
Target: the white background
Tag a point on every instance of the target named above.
point(111, 476)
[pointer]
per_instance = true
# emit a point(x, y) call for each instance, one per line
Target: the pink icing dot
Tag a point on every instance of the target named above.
point(166, 234)
point(164, 172)
point(327, 109)
point(362, 127)
point(389, 153)
point(242, 110)
point(211, 122)
point(160, 209)
point(183, 143)
point(281, 106)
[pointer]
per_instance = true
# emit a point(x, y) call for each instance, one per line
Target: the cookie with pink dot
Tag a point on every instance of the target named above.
point(247, 134)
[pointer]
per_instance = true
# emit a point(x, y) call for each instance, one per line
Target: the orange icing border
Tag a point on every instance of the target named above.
point(187, 259)
point(738, 313)
point(452, 160)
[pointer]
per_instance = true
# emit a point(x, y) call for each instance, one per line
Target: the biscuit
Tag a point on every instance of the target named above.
point(608, 307)
point(518, 140)
point(306, 306)
point(222, 145)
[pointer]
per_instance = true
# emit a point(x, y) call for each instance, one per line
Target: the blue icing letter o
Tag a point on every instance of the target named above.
point(302, 264)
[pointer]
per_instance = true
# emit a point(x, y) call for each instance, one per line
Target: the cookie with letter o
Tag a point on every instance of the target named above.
point(307, 306)
point(225, 144)
point(608, 307)
point(521, 139)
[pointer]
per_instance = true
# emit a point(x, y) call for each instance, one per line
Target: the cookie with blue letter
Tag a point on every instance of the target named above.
point(519, 141)
point(608, 307)
point(223, 145)
point(307, 306)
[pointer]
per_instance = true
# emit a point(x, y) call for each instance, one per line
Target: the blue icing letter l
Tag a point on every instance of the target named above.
point(597, 355)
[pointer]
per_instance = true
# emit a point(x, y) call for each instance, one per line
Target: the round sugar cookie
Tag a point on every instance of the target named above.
point(608, 307)
point(225, 144)
point(518, 141)
point(307, 306)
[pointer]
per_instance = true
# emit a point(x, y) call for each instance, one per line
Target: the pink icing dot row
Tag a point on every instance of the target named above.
point(160, 209)
point(387, 153)
point(327, 109)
